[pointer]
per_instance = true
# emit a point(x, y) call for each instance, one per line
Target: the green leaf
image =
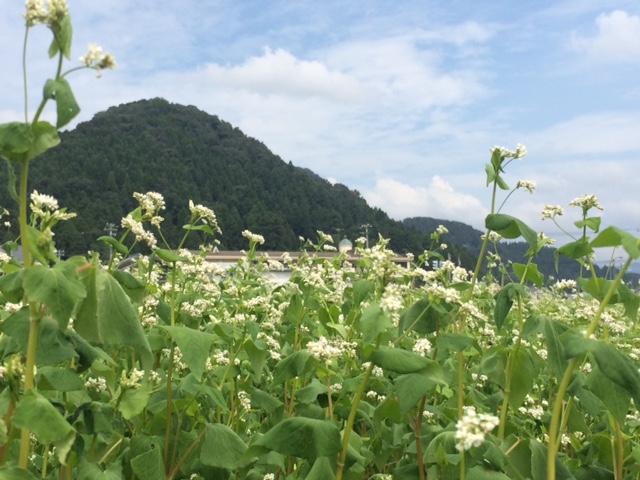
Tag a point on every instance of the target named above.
point(615, 398)
point(401, 361)
point(60, 91)
point(306, 438)
point(169, 256)
point(420, 317)
point(134, 400)
point(58, 288)
point(491, 173)
point(146, 461)
point(45, 137)
point(539, 455)
point(614, 237)
point(43, 252)
point(62, 36)
point(555, 349)
point(265, 401)
point(530, 273)
point(257, 358)
point(53, 345)
point(35, 412)
point(15, 473)
point(612, 363)
point(373, 322)
point(310, 393)
point(133, 287)
point(322, 470)
point(481, 473)
point(11, 286)
point(510, 227)
point(592, 223)
point(106, 315)
point(573, 250)
point(455, 342)
point(93, 471)
point(12, 179)
point(525, 372)
point(504, 301)
point(59, 379)
point(294, 365)
point(362, 289)
point(199, 228)
point(410, 388)
point(194, 345)
point(15, 140)
point(119, 247)
point(222, 447)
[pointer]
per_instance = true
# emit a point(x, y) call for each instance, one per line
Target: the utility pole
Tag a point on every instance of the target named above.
point(366, 227)
point(111, 229)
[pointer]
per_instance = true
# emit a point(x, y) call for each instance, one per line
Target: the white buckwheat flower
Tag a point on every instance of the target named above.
point(205, 214)
point(472, 428)
point(528, 185)
point(551, 211)
point(586, 202)
point(422, 346)
point(253, 237)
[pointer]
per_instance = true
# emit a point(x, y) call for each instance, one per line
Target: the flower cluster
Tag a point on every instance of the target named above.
point(95, 58)
point(133, 380)
point(519, 152)
point(45, 208)
point(528, 185)
point(151, 203)
point(422, 347)
point(586, 202)
point(138, 230)
point(37, 14)
point(253, 237)
point(206, 215)
point(472, 428)
point(324, 350)
point(96, 384)
point(551, 211)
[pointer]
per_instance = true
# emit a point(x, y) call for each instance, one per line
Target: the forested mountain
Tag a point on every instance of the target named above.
point(185, 153)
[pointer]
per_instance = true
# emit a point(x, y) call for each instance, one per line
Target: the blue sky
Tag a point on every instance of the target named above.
point(400, 100)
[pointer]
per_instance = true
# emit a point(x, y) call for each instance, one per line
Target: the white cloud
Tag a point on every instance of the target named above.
point(406, 73)
point(437, 200)
point(617, 38)
point(280, 73)
point(597, 133)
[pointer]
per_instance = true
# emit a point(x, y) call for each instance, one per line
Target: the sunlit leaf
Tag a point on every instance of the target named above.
point(510, 227)
point(614, 237)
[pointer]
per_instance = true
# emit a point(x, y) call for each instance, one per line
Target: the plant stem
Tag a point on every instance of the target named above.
point(418, 435)
point(186, 455)
point(352, 416)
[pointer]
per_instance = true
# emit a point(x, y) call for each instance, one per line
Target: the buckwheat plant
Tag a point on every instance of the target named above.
point(20, 143)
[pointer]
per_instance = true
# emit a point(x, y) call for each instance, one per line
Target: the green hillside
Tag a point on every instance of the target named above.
point(185, 153)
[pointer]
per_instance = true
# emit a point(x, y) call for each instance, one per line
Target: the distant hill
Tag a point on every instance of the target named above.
point(185, 153)
point(469, 242)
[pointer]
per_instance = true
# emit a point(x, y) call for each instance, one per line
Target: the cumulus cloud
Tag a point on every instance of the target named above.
point(278, 72)
point(438, 200)
point(617, 38)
